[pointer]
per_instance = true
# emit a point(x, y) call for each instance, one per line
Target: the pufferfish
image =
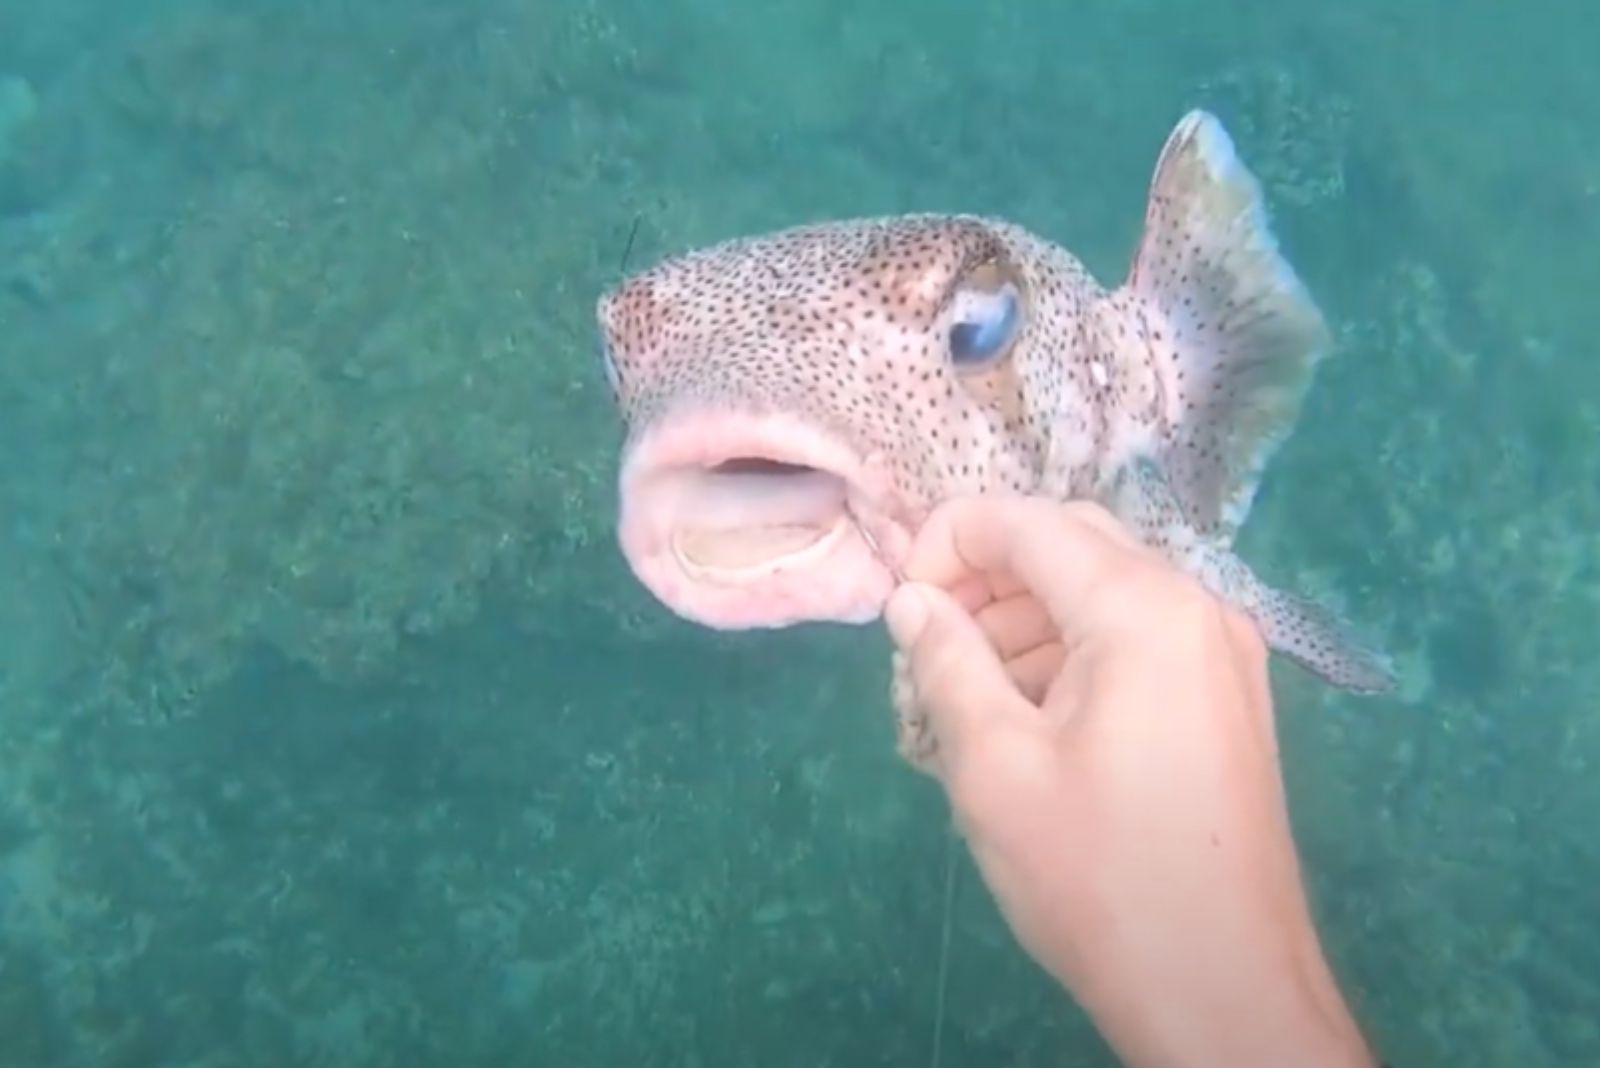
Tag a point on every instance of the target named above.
point(797, 402)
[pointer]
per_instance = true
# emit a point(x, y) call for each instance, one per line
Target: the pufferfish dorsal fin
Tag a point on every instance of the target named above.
point(1233, 334)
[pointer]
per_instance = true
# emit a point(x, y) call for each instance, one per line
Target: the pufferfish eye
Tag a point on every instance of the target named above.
point(986, 313)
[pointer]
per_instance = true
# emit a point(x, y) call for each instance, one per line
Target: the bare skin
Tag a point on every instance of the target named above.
point(1106, 738)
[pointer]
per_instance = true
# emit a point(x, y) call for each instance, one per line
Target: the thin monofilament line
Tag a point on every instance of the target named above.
point(944, 947)
point(950, 839)
point(627, 249)
point(876, 549)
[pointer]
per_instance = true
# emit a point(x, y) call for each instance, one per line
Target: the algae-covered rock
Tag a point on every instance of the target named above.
point(329, 346)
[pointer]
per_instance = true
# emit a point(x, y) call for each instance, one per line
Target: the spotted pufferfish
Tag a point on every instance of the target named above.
point(797, 402)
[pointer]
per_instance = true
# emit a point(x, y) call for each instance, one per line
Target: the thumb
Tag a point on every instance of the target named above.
point(958, 678)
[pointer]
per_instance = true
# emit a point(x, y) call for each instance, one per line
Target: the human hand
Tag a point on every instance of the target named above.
point(1103, 728)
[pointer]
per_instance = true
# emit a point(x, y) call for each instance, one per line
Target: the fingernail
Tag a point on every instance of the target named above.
point(906, 614)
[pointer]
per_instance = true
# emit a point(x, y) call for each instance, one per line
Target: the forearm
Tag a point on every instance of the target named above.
point(1224, 977)
point(1236, 1009)
point(1209, 959)
point(1218, 964)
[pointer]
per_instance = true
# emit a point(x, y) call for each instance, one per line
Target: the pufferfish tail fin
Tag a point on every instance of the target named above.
point(1306, 632)
point(1234, 334)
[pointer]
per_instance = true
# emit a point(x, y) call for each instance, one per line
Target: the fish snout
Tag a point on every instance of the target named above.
point(740, 520)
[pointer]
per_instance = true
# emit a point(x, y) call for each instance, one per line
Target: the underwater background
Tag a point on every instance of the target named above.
point(334, 732)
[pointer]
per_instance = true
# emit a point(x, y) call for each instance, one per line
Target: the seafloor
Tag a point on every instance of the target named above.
point(332, 731)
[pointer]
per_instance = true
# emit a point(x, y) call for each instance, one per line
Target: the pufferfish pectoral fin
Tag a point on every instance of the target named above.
point(1306, 632)
point(1233, 334)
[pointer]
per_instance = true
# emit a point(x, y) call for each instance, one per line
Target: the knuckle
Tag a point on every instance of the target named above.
point(1148, 596)
point(1086, 511)
point(1098, 518)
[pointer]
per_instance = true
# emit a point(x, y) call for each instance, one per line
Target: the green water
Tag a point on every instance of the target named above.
point(332, 730)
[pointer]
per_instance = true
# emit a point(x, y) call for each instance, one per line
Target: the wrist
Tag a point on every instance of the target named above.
point(1250, 990)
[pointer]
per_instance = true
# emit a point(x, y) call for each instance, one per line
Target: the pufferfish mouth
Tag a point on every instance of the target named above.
point(738, 520)
point(758, 513)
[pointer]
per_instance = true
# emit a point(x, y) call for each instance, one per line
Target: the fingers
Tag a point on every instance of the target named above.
point(1016, 624)
point(972, 592)
point(959, 681)
point(1034, 672)
point(1061, 553)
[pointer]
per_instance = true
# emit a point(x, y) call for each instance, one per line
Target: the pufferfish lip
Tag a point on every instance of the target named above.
point(742, 520)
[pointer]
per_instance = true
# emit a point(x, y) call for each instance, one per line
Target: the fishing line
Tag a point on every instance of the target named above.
point(944, 947)
point(949, 840)
point(872, 544)
point(627, 250)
